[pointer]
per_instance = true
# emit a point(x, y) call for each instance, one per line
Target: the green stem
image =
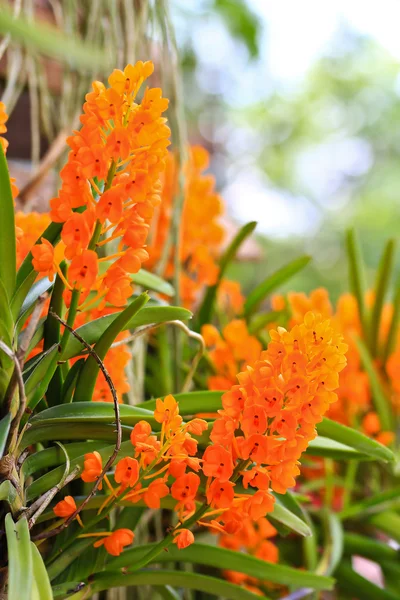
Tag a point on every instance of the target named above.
point(349, 483)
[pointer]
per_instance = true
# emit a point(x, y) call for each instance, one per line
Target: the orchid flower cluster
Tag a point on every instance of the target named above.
point(267, 421)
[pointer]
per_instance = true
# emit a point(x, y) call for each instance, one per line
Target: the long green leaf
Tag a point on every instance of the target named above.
point(7, 228)
point(93, 412)
point(207, 306)
point(322, 446)
point(191, 403)
point(381, 288)
point(40, 577)
point(353, 584)
point(51, 457)
point(333, 544)
point(389, 522)
point(354, 439)
point(357, 276)
point(394, 324)
point(4, 430)
point(6, 318)
point(382, 403)
point(84, 430)
point(90, 370)
point(41, 373)
point(180, 579)
point(356, 544)
point(39, 287)
point(282, 514)
point(20, 575)
point(59, 565)
point(150, 281)
point(204, 554)
point(264, 289)
point(50, 41)
point(389, 499)
point(91, 332)
point(9, 494)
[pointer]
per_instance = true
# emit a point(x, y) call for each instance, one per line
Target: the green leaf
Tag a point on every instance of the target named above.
point(70, 381)
point(9, 494)
point(52, 478)
point(52, 42)
point(358, 286)
point(26, 275)
point(40, 374)
point(242, 23)
point(288, 518)
point(354, 439)
point(90, 370)
point(262, 291)
point(333, 544)
point(382, 403)
point(20, 574)
point(39, 287)
point(6, 318)
point(389, 522)
point(91, 332)
point(394, 324)
point(54, 456)
point(150, 281)
point(59, 565)
point(191, 403)
point(93, 412)
point(389, 499)
point(354, 585)
point(40, 577)
point(356, 544)
point(206, 309)
point(260, 321)
point(8, 261)
point(213, 556)
point(381, 288)
point(4, 430)
point(322, 446)
point(44, 432)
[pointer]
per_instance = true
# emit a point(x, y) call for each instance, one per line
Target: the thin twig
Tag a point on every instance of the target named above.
point(57, 530)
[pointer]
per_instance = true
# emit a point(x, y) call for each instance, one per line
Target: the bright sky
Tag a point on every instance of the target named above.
point(295, 33)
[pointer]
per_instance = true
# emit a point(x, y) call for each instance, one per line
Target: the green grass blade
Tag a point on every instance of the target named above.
point(360, 545)
point(358, 285)
point(266, 287)
point(333, 544)
point(322, 446)
point(206, 309)
point(381, 402)
point(8, 264)
point(381, 288)
point(394, 325)
point(389, 499)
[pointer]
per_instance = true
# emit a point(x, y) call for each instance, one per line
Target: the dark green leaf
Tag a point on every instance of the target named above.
point(204, 554)
point(6, 318)
point(360, 545)
point(90, 370)
point(4, 429)
point(7, 228)
point(352, 583)
point(264, 289)
point(91, 332)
